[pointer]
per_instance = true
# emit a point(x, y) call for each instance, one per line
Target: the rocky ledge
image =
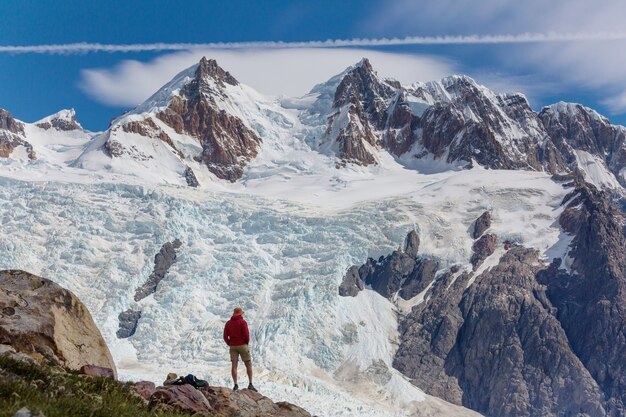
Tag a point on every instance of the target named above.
point(215, 401)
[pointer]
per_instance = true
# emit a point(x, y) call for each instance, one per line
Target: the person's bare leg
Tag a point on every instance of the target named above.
point(249, 370)
point(233, 370)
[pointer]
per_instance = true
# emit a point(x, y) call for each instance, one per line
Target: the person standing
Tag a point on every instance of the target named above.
point(237, 337)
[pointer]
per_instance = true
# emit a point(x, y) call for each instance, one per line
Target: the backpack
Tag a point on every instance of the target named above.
point(195, 382)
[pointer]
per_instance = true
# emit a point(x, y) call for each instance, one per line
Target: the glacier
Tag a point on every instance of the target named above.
point(279, 249)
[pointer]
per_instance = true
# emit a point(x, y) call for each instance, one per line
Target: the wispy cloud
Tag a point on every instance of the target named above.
point(550, 37)
point(570, 64)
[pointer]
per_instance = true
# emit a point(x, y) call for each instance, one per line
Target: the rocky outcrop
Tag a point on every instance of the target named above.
point(97, 371)
point(8, 123)
point(412, 244)
point(246, 403)
point(352, 283)
point(162, 264)
point(144, 389)
point(574, 127)
point(219, 401)
point(591, 301)
point(182, 398)
point(497, 347)
point(481, 224)
point(190, 177)
point(48, 323)
point(149, 129)
point(484, 247)
point(12, 135)
point(65, 121)
point(526, 339)
point(128, 321)
point(400, 273)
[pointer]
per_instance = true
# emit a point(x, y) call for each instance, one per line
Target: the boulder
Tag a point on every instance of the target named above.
point(145, 389)
point(47, 322)
point(181, 397)
point(98, 371)
point(128, 323)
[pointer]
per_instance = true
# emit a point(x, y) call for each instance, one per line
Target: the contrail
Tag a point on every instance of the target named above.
point(83, 47)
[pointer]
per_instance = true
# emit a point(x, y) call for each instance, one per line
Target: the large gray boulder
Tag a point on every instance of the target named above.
point(48, 323)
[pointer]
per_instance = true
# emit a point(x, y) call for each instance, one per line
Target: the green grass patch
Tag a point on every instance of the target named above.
point(60, 393)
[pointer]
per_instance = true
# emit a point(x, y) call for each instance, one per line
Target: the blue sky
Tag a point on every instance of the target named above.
point(101, 85)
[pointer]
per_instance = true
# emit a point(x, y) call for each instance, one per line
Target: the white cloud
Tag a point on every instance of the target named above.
point(595, 67)
point(291, 72)
point(526, 37)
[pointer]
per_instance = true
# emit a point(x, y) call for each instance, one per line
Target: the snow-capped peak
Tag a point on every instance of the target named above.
point(62, 120)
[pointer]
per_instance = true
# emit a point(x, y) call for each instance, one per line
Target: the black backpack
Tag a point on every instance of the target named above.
point(195, 382)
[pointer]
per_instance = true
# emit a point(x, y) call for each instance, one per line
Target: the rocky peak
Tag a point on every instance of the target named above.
point(581, 127)
point(362, 86)
point(64, 120)
point(7, 122)
point(208, 68)
point(573, 127)
point(12, 135)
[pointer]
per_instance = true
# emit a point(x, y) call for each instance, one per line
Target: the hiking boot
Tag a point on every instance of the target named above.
point(236, 387)
point(251, 388)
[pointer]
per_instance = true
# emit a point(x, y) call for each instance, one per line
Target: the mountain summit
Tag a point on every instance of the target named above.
point(205, 121)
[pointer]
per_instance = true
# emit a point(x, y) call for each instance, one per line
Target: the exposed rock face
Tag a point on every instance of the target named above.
point(574, 127)
point(162, 263)
point(128, 323)
point(65, 120)
point(352, 283)
point(398, 273)
point(12, 136)
point(498, 347)
point(591, 303)
point(524, 339)
point(482, 224)
point(144, 389)
point(360, 103)
point(227, 143)
point(47, 322)
point(149, 129)
point(8, 123)
point(483, 248)
point(412, 244)
point(190, 177)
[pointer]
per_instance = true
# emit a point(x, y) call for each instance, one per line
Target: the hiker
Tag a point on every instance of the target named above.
point(237, 336)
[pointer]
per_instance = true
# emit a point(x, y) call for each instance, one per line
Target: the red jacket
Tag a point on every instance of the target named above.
point(236, 331)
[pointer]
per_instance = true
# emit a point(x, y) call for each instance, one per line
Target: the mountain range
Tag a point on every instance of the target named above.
point(396, 244)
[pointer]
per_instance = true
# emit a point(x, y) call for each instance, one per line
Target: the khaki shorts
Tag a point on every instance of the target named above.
point(242, 350)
